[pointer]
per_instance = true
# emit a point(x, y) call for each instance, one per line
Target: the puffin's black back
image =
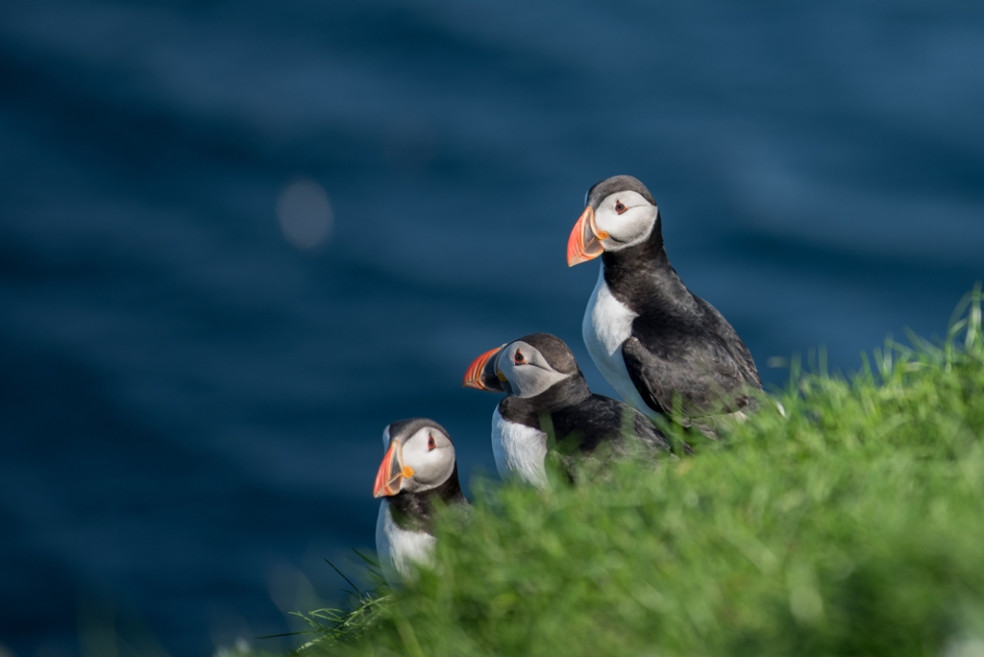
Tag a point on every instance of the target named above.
point(572, 416)
point(611, 423)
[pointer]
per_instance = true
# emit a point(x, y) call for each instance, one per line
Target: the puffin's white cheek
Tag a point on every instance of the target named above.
point(434, 469)
point(509, 379)
point(634, 227)
point(605, 225)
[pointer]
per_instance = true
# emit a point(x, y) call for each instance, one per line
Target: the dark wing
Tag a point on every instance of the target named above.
point(600, 428)
point(706, 366)
point(741, 358)
point(603, 421)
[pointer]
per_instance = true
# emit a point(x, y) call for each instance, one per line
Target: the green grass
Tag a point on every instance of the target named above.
point(853, 526)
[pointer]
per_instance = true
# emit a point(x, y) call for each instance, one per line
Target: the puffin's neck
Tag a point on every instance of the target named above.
point(570, 391)
point(644, 271)
point(531, 410)
point(415, 511)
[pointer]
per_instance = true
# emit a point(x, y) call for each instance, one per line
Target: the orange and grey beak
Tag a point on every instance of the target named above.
point(585, 241)
point(392, 472)
point(481, 374)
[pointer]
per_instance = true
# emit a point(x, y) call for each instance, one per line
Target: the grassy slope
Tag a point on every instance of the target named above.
point(855, 526)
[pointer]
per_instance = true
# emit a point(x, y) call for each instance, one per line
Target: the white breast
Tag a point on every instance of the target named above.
point(399, 549)
point(607, 324)
point(519, 450)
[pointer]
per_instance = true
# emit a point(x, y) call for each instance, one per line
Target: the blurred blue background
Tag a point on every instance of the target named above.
point(237, 239)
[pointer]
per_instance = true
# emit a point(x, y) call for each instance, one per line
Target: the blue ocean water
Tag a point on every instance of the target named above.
point(238, 239)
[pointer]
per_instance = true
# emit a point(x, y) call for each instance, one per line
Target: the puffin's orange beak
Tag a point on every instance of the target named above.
point(481, 373)
point(585, 241)
point(392, 472)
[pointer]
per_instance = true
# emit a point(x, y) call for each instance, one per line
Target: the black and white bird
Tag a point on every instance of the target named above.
point(548, 404)
point(663, 348)
point(418, 469)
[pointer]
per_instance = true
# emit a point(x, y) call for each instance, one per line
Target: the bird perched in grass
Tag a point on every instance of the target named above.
point(418, 472)
point(548, 405)
point(663, 348)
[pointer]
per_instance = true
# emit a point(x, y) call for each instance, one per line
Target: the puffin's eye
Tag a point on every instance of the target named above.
point(519, 358)
point(619, 207)
point(431, 443)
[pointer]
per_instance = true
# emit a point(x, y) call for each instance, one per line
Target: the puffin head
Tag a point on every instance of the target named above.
point(620, 212)
point(524, 367)
point(419, 456)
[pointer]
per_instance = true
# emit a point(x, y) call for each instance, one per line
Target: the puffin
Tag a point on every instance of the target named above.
point(663, 348)
point(548, 406)
point(418, 469)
